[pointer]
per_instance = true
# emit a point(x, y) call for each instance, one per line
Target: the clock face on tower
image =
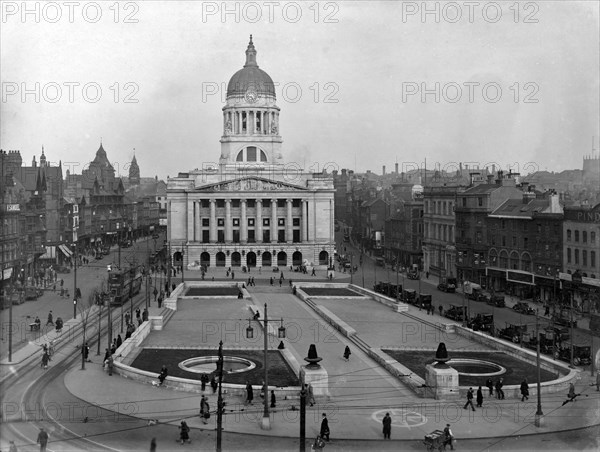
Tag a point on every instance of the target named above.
point(251, 95)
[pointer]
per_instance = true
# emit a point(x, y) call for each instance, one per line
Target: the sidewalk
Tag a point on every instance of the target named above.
point(361, 392)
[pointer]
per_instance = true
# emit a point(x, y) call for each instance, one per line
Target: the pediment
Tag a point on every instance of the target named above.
point(250, 184)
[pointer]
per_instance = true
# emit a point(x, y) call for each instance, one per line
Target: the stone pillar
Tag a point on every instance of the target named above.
point(304, 221)
point(258, 227)
point(289, 235)
point(273, 220)
point(197, 223)
point(213, 221)
point(228, 227)
point(243, 222)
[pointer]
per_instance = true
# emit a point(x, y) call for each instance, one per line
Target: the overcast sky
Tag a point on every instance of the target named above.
point(350, 81)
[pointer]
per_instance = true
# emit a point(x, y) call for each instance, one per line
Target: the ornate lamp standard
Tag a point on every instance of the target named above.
point(266, 421)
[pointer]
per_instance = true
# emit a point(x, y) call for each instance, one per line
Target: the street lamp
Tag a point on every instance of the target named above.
point(266, 422)
point(538, 413)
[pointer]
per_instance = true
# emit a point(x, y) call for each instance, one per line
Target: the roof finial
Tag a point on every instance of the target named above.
point(250, 39)
point(251, 54)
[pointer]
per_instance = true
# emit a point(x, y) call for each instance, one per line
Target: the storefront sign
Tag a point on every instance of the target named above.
point(522, 278)
point(13, 207)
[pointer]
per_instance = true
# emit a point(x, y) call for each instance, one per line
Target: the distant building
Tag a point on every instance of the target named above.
point(134, 172)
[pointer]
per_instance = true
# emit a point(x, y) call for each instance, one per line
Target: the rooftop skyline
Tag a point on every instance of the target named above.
point(517, 87)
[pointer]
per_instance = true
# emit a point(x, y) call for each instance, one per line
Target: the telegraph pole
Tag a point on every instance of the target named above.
point(220, 400)
point(539, 413)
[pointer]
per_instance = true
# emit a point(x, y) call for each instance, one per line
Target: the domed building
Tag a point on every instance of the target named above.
point(250, 209)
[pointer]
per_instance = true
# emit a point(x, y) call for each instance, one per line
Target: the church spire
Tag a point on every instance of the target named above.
point(251, 55)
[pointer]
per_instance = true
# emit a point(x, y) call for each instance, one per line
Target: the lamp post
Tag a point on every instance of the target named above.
point(99, 302)
point(351, 268)
point(538, 413)
point(220, 399)
point(266, 421)
point(75, 275)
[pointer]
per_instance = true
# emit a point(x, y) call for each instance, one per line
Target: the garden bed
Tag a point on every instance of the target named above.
point(280, 373)
point(330, 292)
point(209, 291)
point(516, 370)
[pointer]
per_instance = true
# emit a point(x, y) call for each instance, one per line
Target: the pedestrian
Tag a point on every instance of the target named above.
point(249, 393)
point(313, 272)
point(311, 395)
point(273, 399)
point(213, 384)
point(138, 313)
point(572, 394)
point(324, 427)
point(45, 359)
point(547, 311)
point(85, 350)
point(155, 293)
point(318, 445)
point(203, 381)
point(163, 375)
point(280, 282)
point(42, 439)
point(253, 283)
point(469, 399)
point(184, 433)
point(479, 397)
point(204, 410)
point(50, 319)
point(271, 280)
point(232, 275)
point(12, 447)
point(127, 318)
point(110, 363)
point(387, 426)
point(499, 391)
point(524, 390)
point(145, 315)
point(59, 325)
point(597, 381)
point(153, 445)
point(119, 341)
point(441, 308)
point(347, 353)
point(448, 437)
point(490, 385)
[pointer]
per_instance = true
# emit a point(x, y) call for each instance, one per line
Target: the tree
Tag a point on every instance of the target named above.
point(85, 309)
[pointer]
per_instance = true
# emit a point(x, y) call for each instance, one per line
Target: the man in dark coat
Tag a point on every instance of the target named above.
point(479, 397)
point(387, 426)
point(524, 390)
point(249, 393)
point(499, 391)
point(325, 428)
point(469, 399)
point(490, 385)
point(42, 439)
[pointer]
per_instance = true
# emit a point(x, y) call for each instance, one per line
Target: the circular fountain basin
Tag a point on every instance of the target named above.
point(208, 364)
point(476, 367)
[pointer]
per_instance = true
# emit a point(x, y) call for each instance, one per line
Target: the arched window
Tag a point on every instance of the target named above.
point(240, 156)
point(263, 156)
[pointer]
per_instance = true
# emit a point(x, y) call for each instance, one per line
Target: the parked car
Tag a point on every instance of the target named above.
point(482, 322)
point(425, 300)
point(582, 354)
point(456, 312)
point(496, 300)
point(564, 319)
point(409, 296)
point(32, 293)
point(446, 287)
point(523, 308)
point(513, 332)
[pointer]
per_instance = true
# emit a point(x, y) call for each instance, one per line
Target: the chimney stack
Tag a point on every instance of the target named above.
point(383, 170)
point(396, 168)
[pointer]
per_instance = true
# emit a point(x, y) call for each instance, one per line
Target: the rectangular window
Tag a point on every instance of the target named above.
point(295, 203)
point(593, 259)
point(592, 237)
point(205, 203)
point(251, 236)
point(577, 236)
point(281, 235)
point(576, 256)
point(464, 200)
point(236, 236)
point(525, 227)
point(281, 222)
point(236, 221)
point(525, 243)
point(205, 236)
point(251, 154)
point(220, 203)
point(480, 202)
point(266, 221)
point(266, 236)
point(584, 236)
point(251, 203)
point(584, 258)
point(296, 237)
point(235, 203)
point(281, 203)
point(514, 241)
point(220, 221)
point(568, 255)
point(503, 240)
point(206, 222)
point(221, 236)
point(295, 221)
point(250, 221)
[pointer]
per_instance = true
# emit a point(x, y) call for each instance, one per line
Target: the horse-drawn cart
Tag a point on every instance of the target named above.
point(435, 440)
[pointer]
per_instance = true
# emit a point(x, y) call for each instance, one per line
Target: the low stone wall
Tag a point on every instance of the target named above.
point(335, 321)
point(391, 302)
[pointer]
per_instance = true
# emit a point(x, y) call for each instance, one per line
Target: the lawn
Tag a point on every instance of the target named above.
point(516, 369)
point(211, 291)
point(330, 292)
point(280, 373)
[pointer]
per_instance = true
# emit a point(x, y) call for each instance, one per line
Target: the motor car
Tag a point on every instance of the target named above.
point(523, 308)
point(62, 269)
point(564, 319)
point(496, 300)
point(409, 296)
point(456, 312)
point(582, 354)
point(481, 322)
point(425, 300)
point(445, 287)
point(513, 332)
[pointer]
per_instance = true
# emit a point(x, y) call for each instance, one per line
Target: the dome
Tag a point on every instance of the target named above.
point(251, 76)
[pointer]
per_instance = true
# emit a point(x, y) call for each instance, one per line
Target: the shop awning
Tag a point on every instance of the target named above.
point(50, 253)
point(7, 273)
point(66, 251)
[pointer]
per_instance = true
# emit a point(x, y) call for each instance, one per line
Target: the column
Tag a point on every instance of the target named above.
point(213, 221)
point(273, 221)
point(289, 235)
point(243, 223)
point(197, 224)
point(189, 230)
point(228, 227)
point(304, 221)
point(258, 227)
